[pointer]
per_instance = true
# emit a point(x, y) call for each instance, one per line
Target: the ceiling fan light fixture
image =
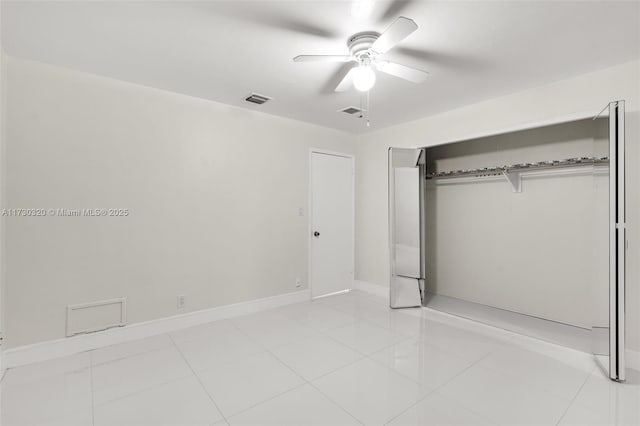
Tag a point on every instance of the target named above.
point(364, 78)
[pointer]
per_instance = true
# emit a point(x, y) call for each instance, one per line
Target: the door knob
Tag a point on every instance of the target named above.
point(316, 234)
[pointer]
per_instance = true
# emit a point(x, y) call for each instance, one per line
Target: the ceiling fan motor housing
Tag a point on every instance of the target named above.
point(360, 44)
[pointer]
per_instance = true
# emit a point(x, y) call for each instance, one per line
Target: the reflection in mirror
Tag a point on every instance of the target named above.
point(405, 172)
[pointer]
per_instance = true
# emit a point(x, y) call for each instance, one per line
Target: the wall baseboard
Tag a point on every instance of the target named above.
point(29, 354)
point(632, 357)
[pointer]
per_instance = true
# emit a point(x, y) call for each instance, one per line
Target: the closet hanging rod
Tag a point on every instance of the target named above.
point(522, 167)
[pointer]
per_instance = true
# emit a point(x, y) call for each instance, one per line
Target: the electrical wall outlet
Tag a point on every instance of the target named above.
point(180, 301)
point(298, 282)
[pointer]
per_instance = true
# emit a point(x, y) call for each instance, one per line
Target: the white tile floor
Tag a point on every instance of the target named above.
point(341, 360)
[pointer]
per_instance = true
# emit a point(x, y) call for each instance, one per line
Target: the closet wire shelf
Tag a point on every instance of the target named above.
point(521, 167)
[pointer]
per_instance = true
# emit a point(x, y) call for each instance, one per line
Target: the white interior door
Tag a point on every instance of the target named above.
point(332, 230)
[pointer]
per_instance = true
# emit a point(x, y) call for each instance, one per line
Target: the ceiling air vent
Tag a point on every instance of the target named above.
point(350, 110)
point(257, 99)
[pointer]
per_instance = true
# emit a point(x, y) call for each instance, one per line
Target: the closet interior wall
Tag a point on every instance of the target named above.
point(542, 252)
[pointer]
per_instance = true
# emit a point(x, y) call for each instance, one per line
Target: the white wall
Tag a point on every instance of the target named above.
point(586, 93)
point(213, 192)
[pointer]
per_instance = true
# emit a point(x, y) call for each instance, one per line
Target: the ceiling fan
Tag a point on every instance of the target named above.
point(365, 50)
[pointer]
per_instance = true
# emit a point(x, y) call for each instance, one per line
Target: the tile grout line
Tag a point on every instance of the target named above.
point(575, 396)
point(435, 390)
point(148, 388)
point(309, 382)
point(526, 382)
point(145, 389)
point(323, 334)
point(198, 379)
point(335, 403)
point(305, 381)
point(364, 356)
point(93, 404)
point(335, 327)
point(268, 399)
point(133, 355)
point(143, 352)
point(326, 334)
point(368, 320)
point(410, 407)
point(537, 387)
point(368, 357)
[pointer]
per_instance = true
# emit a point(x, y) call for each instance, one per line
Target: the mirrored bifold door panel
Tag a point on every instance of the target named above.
point(617, 241)
point(615, 346)
point(407, 168)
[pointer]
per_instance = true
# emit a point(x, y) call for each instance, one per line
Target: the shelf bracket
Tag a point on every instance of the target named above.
point(515, 179)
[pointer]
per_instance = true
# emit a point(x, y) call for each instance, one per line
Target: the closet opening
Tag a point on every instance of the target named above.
point(521, 230)
point(517, 232)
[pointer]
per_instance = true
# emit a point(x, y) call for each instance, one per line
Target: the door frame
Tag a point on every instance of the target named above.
point(310, 216)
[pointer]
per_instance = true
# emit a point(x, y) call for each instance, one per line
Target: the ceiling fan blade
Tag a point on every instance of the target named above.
point(322, 58)
point(412, 74)
point(394, 8)
point(398, 31)
point(346, 82)
point(264, 14)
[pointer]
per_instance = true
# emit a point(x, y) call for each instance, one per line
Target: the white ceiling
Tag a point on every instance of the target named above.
point(223, 50)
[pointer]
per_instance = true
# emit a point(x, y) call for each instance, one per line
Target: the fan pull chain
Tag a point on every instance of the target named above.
point(368, 110)
point(365, 110)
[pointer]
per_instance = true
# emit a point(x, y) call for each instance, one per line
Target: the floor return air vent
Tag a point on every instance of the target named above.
point(96, 316)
